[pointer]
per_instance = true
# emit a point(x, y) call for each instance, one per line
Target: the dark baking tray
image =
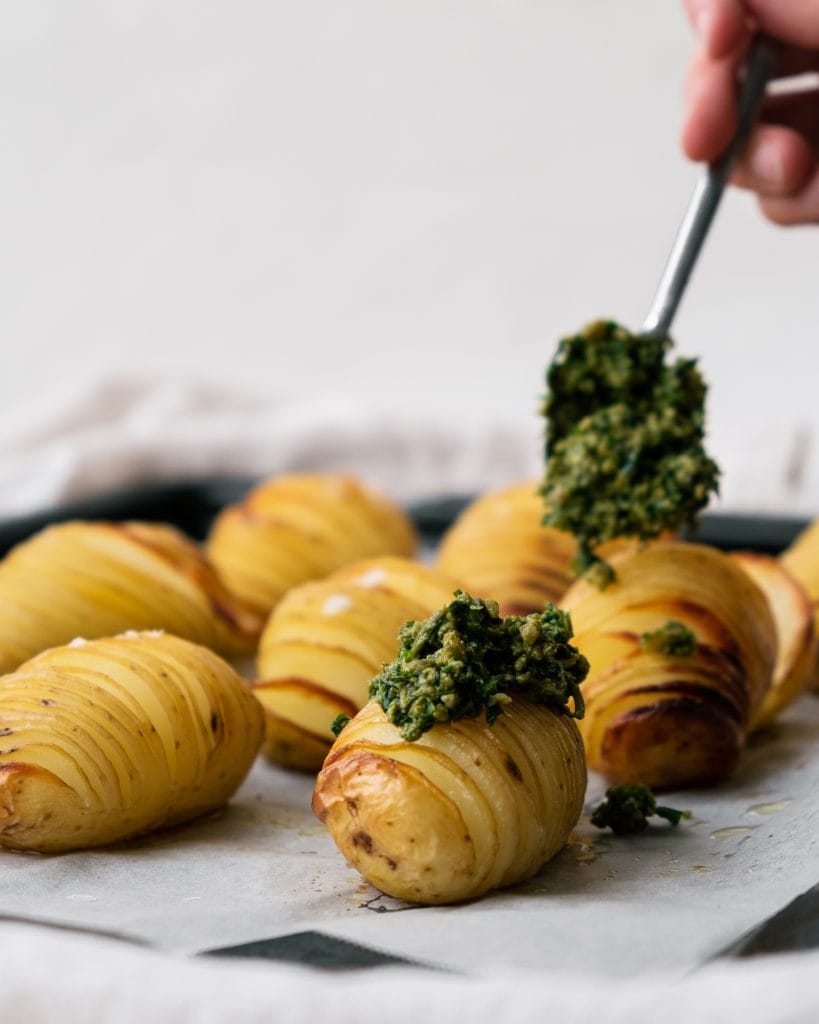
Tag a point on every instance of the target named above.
point(192, 504)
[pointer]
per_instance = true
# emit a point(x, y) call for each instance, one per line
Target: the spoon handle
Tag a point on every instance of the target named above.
point(708, 192)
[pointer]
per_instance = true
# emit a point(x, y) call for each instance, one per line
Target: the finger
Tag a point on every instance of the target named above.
point(777, 163)
point(800, 208)
point(792, 21)
point(720, 24)
point(710, 117)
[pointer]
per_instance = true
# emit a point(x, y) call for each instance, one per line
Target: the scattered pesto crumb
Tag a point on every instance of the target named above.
point(466, 659)
point(338, 723)
point(626, 810)
point(673, 638)
point(624, 441)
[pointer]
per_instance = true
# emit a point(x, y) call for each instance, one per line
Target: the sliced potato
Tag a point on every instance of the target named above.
point(301, 527)
point(326, 640)
point(465, 809)
point(661, 719)
point(498, 548)
point(801, 559)
point(99, 578)
point(110, 738)
point(795, 631)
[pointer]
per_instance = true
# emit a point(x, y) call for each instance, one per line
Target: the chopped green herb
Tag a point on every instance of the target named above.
point(673, 638)
point(626, 810)
point(338, 723)
point(466, 659)
point(624, 441)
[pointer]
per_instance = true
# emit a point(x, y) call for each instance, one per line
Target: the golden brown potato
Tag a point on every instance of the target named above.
point(661, 719)
point(106, 739)
point(465, 809)
point(98, 578)
point(801, 559)
point(302, 527)
point(323, 643)
point(795, 631)
point(499, 549)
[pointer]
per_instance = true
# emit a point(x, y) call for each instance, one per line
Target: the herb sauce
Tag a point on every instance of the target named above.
point(624, 441)
point(466, 659)
point(673, 638)
point(626, 810)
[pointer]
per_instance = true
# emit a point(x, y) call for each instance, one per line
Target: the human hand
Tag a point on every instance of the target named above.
point(781, 161)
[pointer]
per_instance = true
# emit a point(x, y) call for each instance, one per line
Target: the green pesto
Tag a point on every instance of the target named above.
point(338, 723)
point(626, 810)
point(624, 441)
point(673, 638)
point(466, 659)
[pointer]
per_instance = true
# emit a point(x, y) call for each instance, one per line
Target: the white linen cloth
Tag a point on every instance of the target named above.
point(92, 435)
point(48, 976)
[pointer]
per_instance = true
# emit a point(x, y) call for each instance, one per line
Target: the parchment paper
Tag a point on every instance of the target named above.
point(667, 899)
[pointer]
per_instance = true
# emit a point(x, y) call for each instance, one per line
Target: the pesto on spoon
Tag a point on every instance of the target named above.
point(624, 441)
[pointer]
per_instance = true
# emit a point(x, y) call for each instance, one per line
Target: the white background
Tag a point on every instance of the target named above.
point(402, 203)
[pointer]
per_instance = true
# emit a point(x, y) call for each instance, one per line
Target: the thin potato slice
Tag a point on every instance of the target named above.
point(795, 631)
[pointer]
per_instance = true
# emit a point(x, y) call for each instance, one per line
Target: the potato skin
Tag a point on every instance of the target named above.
point(801, 559)
point(660, 719)
point(795, 632)
point(325, 641)
point(110, 738)
point(465, 809)
point(300, 527)
point(97, 579)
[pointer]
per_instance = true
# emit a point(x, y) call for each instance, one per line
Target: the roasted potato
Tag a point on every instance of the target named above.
point(801, 559)
point(110, 738)
point(465, 809)
point(323, 643)
point(96, 579)
point(498, 548)
point(795, 631)
point(662, 719)
point(302, 527)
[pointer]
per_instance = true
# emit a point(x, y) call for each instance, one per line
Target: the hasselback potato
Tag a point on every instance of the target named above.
point(301, 527)
point(790, 606)
point(801, 559)
point(499, 548)
point(323, 643)
point(465, 809)
point(663, 718)
point(100, 578)
point(106, 739)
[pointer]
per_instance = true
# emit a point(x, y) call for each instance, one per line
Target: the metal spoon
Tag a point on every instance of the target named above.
point(691, 233)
